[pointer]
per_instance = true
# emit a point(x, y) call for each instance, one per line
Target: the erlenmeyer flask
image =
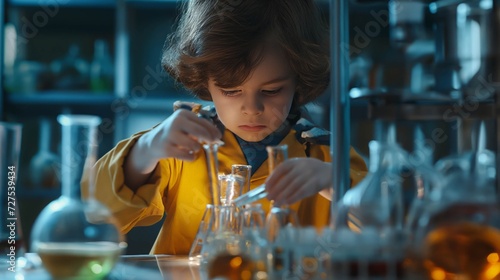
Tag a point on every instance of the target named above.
point(76, 237)
point(369, 219)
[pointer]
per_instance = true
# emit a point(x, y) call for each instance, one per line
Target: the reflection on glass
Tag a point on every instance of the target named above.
point(201, 235)
point(230, 188)
point(245, 172)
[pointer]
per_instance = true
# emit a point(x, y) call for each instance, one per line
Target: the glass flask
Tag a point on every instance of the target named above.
point(369, 219)
point(209, 219)
point(458, 234)
point(77, 237)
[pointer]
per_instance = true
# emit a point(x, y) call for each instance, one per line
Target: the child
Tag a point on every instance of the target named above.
point(258, 61)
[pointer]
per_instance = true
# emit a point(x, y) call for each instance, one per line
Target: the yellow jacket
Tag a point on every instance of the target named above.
point(181, 190)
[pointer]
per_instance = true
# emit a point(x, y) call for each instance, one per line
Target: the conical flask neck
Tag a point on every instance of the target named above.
point(386, 157)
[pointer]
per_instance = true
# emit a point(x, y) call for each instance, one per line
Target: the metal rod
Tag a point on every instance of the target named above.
point(122, 62)
point(340, 108)
point(496, 78)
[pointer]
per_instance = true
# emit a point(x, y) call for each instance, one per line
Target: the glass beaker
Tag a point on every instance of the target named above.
point(11, 239)
point(76, 237)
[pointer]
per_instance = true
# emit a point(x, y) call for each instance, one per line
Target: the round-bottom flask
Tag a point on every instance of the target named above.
point(75, 237)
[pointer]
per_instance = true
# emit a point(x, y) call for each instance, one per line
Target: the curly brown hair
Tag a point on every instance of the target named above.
point(223, 40)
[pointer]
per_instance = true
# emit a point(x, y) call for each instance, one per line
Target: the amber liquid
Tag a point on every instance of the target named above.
point(231, 267)
point(93, 260)
point(462, 251)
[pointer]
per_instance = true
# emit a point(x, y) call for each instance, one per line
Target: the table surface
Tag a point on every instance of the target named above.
point(130, 267)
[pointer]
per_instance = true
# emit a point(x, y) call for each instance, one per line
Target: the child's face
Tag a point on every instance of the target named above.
point(261, 104)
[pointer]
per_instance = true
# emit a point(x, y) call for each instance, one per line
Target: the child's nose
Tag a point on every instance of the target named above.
point(252, 105)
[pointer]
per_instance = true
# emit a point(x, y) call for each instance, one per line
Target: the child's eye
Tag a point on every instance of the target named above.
point(271, 91)
point(229, 92)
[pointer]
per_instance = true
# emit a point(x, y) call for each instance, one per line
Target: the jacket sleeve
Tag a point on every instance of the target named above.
point(143, 207)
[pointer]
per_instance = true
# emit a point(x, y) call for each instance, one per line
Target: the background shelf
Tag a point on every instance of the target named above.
point(64, 3)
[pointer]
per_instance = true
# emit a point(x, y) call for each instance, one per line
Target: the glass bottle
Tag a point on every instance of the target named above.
point(71, 71)
point(77, 237)
point(44, 164)
point(369, 219)
point(101, 68)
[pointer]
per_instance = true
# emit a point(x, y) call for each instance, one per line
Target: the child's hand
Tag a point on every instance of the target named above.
point(179, 136)
point(298, 178)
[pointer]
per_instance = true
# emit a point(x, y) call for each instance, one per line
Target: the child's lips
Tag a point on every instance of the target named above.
point(252, 128)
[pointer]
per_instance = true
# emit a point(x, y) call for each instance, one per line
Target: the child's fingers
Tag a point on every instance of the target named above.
point(290, 191)
point(279, 180)
point(200, 128)
point(181, 146)
point(186, 154)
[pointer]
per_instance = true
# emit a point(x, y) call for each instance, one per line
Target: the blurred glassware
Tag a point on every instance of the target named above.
point(245, 172)
point(204, 229)
point(231, 187)
point(251, 196)
point(12, 247)
point(280, 223)
point(275, 156)
point(369, 218)
point(464, 32)
point(252, 217)
point(45, 165)
point(458, 232)
point(77, 237)
point(31, 77)
point(72, 71)
point(102, 71)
